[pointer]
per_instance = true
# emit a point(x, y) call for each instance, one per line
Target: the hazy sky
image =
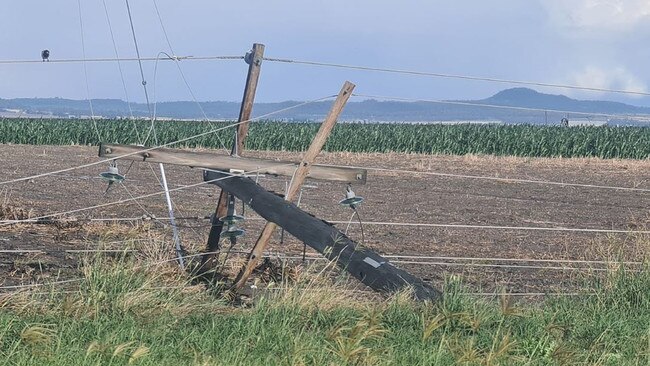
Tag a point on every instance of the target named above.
point(595, 43)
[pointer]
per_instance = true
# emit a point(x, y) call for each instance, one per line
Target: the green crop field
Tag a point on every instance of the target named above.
point(517, 140)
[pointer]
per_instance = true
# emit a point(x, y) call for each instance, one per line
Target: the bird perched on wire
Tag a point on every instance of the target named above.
point(45, 54)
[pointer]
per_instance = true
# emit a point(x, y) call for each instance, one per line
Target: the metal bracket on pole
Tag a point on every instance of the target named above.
point(172, 221)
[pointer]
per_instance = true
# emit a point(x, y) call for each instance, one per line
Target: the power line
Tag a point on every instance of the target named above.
point(35, 219)
point(180, 70)
point(322, 258)
point(493, 265)
point(119, 66)
point(498, 227)
point(396, 261)
point(124, 59)
point(189, 89)
point(532, 294)
point(395, 258)
point(166, 144)
point(454, 76)
point(501, 259)
point(85, 68)
point(137, 52)
point(401, 171)
point(645, 118)
point(15, 287)
point(83, 278)
point(512, 180)
point(383, 223)
point(70, 251)
point(457, 264)
point(162, 25)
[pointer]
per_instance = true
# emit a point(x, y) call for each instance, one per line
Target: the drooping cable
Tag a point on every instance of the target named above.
point(119, 66)
point(85, 68)
point(137, 52)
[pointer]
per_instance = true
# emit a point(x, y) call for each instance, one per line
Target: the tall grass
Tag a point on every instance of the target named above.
point(517, 140)
point(125, 313)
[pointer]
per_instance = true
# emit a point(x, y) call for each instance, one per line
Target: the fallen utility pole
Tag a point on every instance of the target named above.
point(297, 179)
point(362, 263)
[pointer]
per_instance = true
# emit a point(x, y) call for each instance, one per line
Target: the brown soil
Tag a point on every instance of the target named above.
point(389, 197)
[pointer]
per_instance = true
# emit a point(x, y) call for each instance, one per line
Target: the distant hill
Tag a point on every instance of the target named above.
point(368, 110)
point(525, 97)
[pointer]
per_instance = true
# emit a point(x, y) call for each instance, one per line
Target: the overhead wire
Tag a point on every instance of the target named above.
point(409, 258)
point(24, 286)
point(85, 68)
point(123, 59)
point(31, 285)
point(84, 278)
point(191, 92)
point(35, 219)
point(119, 66)
point(402, 224)
point(395, 261)
point(496, 265)
point(482, 265)
point(152, 116)
point(139, 204)
point(511, 180)
point(454, 76)
point(162, 25)
point(499, 227)
point(180, 71)
point(35, 176)
point(137, 52)
point(643, 118)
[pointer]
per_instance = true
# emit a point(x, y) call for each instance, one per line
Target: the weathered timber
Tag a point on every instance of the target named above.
point(297, 179)
point(227, 163)
point(254, 67)
point(362, 263)
point(252, 77)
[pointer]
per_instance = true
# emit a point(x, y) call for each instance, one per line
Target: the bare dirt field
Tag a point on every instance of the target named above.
point(504, 257)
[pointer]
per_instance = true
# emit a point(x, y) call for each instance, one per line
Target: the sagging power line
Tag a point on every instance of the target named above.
point(454, 76)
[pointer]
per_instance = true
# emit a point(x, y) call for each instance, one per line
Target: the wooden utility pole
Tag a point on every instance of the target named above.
point(297, 180)
point(254, 60)
point(362, 263)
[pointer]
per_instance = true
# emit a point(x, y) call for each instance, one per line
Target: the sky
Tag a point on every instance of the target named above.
point(592, 43)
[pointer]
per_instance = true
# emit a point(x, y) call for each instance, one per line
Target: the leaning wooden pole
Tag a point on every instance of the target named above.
point(362, 263)
point(297, 180)
point(254, 60)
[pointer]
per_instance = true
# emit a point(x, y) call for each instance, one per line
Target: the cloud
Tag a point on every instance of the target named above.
point(598, 15)
point(612, 78)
